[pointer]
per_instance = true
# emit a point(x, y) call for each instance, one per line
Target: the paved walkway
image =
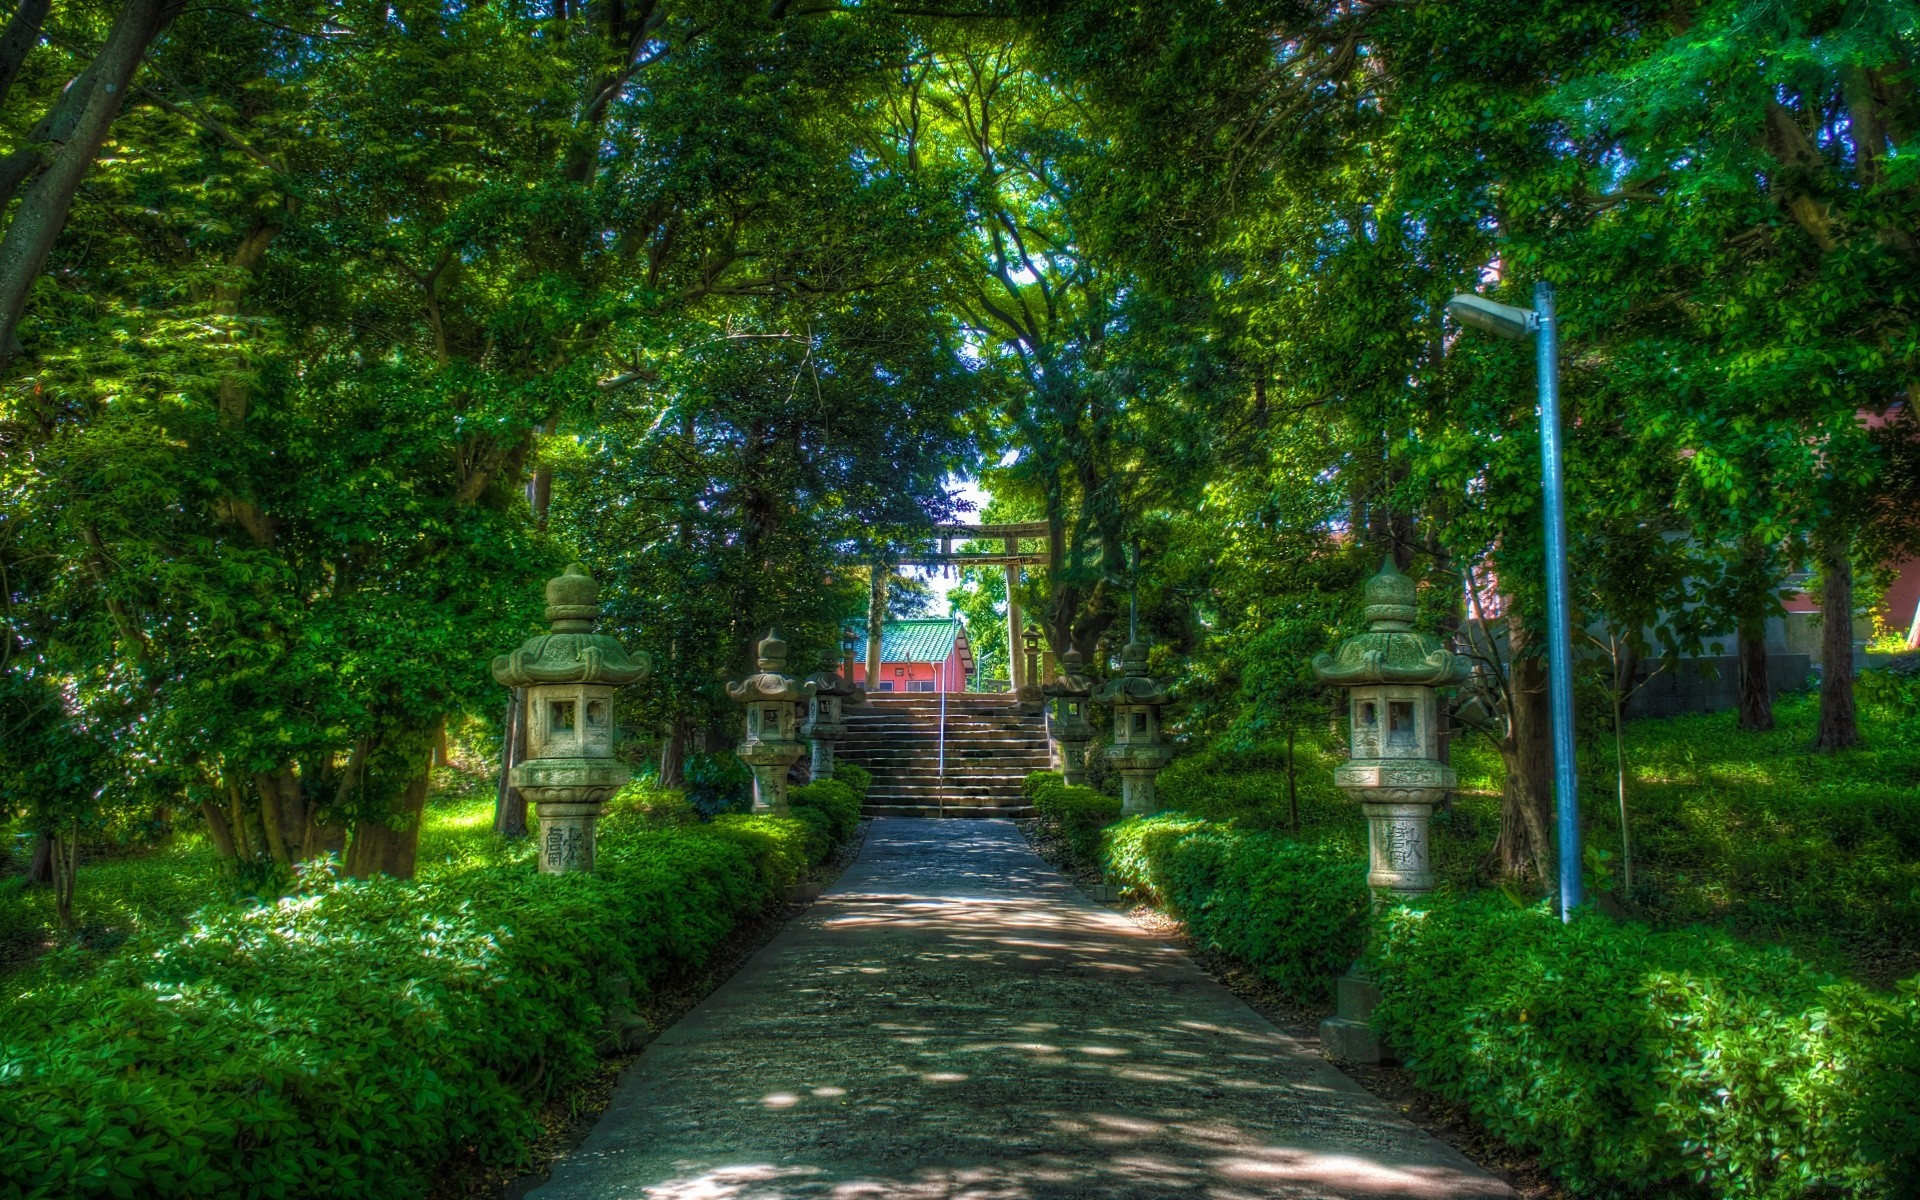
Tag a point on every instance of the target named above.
point(954, 1021)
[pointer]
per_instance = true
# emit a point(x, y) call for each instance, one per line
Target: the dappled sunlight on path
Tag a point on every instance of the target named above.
point(954, 1021)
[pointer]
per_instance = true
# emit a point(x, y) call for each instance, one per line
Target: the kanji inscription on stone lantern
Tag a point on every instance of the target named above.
point(1067, 724)
point(824, 725)
point(1395, 772)
point(570, 675)
point(773, 700)
point(1138, 751)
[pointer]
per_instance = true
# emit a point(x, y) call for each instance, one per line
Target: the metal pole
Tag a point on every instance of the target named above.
point(1566, 782)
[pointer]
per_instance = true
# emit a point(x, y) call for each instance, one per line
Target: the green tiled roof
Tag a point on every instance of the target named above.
point(921, 640)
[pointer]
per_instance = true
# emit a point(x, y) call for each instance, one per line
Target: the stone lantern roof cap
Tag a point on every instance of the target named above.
point(832, 683)
point(1133, 685)
point(573, 652)
point(1391, 651)
point(771, 682)
point(1072, 681)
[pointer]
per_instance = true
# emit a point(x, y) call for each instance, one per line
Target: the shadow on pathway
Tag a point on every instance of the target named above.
point(953, 1020)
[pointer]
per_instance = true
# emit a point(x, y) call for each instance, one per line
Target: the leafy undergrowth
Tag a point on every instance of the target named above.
point(158, 889)
point(1751, 833)
point(372, 1037)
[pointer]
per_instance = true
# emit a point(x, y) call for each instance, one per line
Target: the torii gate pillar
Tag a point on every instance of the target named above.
point(1016, 625)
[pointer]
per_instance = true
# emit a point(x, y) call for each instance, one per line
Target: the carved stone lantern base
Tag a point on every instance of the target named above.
point(1138, 765)
point(568, 795)
point(770, 762)
point(567, 833)
point(1073, 760)
point(1398, 796)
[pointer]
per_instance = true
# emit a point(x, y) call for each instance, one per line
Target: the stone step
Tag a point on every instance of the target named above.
point(954, 749)
point(953, 726)
point(1016, 811)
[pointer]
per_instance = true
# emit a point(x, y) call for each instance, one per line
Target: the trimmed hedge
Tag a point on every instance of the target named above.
point(1295, 911)
point(361, 1038)
point(1631, 1059)
point(1074, 815)
point(854, 776)
point(829, 809)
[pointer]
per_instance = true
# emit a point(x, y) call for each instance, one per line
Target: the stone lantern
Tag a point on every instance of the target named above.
point(1395, 772)
point(1138, 751)
point(570, 675)
point(1067, 698)
point(773, 700)
point(1029, 696)
point(824, 726)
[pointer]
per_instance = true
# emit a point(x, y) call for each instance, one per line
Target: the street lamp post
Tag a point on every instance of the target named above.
point(1543, 324)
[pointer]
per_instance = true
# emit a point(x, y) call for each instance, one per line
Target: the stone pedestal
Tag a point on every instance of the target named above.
point(1138, 797)
point(567, 833)
point(1348, 1034)
point(569, 676)
point(770, 763)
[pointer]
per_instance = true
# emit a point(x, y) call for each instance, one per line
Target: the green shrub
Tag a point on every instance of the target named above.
point(1249, 786)
point(359, 1038)
point(1633, 1060)
point(854, 776)
point(833, 804)
point(1295, 911)
point(1040, 781)
point(653, 804)
point(718, 783)
point(1074, 815)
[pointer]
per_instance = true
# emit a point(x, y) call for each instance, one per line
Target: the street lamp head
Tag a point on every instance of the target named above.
point(1501, 320)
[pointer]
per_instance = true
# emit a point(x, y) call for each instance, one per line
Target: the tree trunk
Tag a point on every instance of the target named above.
point(1756, 694)
point(1293, 790)
point(1838, 727)
point(1620, 785)
point(509, 806)
point(237, 821)
point(1526, 804)
point(673, 755)
point(283, 813)
point(40, 866)
point(218, 830)
point(66, 870)
point(390, 848)
point(43, 209)
point(876, 624)
point(22, 35)
point(440, 756)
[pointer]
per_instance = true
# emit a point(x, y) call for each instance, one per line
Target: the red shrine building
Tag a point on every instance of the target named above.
point(928, 654)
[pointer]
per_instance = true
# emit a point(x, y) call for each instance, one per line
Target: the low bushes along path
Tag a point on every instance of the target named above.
point(954, 1020)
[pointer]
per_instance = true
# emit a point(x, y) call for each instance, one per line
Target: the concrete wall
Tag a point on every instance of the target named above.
point(1710, 684)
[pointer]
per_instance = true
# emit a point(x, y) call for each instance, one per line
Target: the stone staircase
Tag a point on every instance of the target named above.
point(991, 746)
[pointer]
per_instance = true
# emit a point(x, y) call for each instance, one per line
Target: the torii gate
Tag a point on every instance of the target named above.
point(1011, 557)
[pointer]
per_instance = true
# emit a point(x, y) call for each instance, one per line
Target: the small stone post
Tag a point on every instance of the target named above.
point(824, 726)
point(570, 675)
point(1138, 751)
point(1067, 723)
point(1395, 772)
point(772, 699)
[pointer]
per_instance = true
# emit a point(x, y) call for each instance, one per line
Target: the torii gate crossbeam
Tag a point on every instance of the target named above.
point(1010, 557)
